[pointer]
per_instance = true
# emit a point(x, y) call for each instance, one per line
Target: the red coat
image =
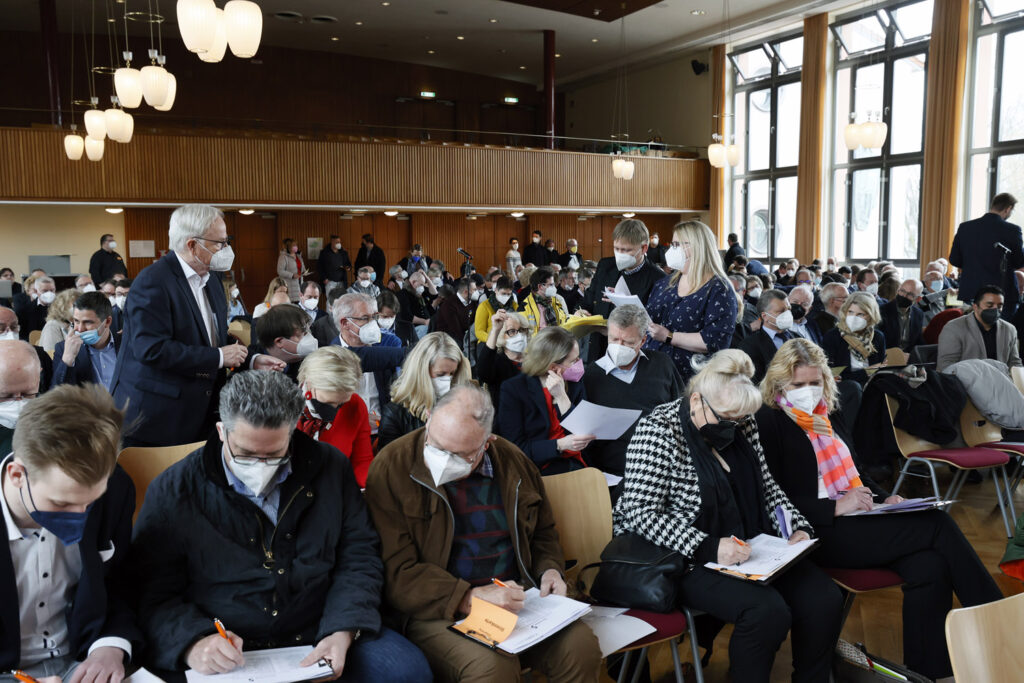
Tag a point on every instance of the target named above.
point(350, 434)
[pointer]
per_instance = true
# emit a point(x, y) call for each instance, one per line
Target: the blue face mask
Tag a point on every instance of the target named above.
point(415, 259)
point(373, 276)
point(89, 337)
point(69, 527)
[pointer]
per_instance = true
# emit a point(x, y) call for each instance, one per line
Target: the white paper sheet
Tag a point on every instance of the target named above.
point(604, 612)
point(621, 287)
point(542, 617)
point(612, 479)
point(269, 666)
point(768, 554)
point(601, 421)
point(623, 299)
point(615, 633)
point(143, 676)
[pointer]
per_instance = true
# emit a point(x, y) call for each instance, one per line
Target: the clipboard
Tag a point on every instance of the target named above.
point(486, 624)
point(767, 577)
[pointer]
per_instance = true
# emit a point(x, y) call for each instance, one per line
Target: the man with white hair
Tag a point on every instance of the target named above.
point(833, 296)
point(801, 298)
point(174, 351)
point(32, 311)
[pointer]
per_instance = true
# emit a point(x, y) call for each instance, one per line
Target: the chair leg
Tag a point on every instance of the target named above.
point(903, 474)
point(641, 658)
point(676, 664)
point(997, 476)
point(848, 598)
point(694, 646)
point(627, 657)
point(1018, 474)
point(954, 486)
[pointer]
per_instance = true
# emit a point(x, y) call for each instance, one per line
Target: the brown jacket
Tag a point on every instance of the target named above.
point(416, 526)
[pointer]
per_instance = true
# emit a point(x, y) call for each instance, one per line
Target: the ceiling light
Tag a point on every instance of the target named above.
point(243, 21)
point(128, 85)
point(628, 214)
point(460, 37)
point(493, 21)
point(697, 12)
point(391, 213)
point(172, 90)
point(196, 24)
point(335, 38)
point(246, 212)
point(523, 68)
point(384, 4)
point(430, 52)
point(74, 145)
point(593, 40)
point(517, 214)
point(113, 209)
point(95, 124)
point(428, 94)
point(511, 100)
point(558, 54)
point(94, 149)
point(215, 50)
point(359, 23)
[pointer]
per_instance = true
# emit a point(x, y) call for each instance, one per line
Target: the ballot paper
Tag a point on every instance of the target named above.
point(621, 287)
point(612, 479)
point(143, 676)
point(909, 505)
point(623, 299)
point(601, 421)
point(616, 632)
point(269, 666)
point(769, 555)
point(540, 618)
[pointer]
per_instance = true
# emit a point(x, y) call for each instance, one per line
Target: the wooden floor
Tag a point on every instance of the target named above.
point(875, 619)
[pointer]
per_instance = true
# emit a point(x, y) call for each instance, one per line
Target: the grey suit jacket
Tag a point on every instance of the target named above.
point(961, 340)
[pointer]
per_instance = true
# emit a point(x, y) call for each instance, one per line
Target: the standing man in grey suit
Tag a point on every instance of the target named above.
point(979, 250)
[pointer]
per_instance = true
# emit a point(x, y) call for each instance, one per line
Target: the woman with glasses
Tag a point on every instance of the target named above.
point(500, 357)
point(534, 402)
point(696, 480)
point(855, 344)
point(693, 311)
point(432, 367)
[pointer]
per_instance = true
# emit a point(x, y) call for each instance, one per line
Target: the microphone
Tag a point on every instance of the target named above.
point(465, 253)
point(1000, 245)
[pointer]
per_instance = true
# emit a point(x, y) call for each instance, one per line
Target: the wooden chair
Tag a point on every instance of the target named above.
point(144, 464)
point(33, 337)
point(582, 508)
point(963, 460)
point(983, 641)
point(894, 357)
point(241, 330)
point(979, 431)
point(853, 582)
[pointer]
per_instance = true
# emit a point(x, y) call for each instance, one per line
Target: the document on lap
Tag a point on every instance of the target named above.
point(601, 421)
point(280, 665)
point(540, 617)
point(769, 557)
point(909, 505)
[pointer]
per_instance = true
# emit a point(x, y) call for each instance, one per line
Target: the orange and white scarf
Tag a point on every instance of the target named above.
point(835, 464)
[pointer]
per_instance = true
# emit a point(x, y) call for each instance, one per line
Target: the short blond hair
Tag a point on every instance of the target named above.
point(725, 383)
point(76, 429)
point(331, 368)
point(525, 274)
point(866, 302)
point(549, 345)
point(796, 353)
point(524, 325)
point(414, 390)
point(60, 309)
point(632, 231)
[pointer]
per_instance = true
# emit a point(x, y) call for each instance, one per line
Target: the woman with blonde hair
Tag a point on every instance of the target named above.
point(501, 356)
point(236, 309)
point(433, 365)
point(855, 343)
point(810, 454)
point(58, 319)
point(534, 402)
point(696, 480)
point(693, 311)
point(334, 413)
point(276, 286)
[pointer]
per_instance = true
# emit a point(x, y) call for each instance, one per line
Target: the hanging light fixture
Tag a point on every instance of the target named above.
point(622, 169)
point(196, 23)
point(716, 152)
point(128, 83)
point(94, 148)
point(155, 81)
point(869, 134)
point(95, 123)
point(114, 120)
point(244, 26)
point(172, 90)
point(74, 144)
point(217, 48)
point(721, 154)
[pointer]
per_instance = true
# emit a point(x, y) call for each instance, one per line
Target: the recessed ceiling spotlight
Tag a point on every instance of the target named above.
point(517, 214)
point(289, 16)
point(628, 214)
point(335, 38)
point(522, 68)
point(246, 212)
point(114, 209)
point(359, 23)
point(698, 12)
point(593, 40)
point(557, 55)
point(384, 4)
point(430, 52)
point(111, 20)
point(493, 21)
point(391, 213)
point(460, 37)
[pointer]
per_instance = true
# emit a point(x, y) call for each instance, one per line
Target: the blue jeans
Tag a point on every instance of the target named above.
point(388, 658)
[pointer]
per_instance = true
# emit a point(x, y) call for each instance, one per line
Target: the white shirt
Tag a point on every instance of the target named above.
point(609, 367)
point(197, 283)
point(46, 574)
point(800, 329)
point(368, 392)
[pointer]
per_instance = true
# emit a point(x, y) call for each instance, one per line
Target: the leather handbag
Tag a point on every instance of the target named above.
point(635, 573)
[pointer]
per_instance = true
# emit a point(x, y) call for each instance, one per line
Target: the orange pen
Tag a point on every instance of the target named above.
point(23, 677)
point(498, 582)
point(739, 542)
point(220, 629)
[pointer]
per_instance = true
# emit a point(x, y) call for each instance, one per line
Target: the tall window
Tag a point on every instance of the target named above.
point(880, 61)
point(766, 106)
point(996, 132)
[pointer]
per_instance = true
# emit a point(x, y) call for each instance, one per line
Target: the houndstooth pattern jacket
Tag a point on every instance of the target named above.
point(661, 500)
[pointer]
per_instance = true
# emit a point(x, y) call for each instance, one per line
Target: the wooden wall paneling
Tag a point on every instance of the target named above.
point(288, 171)
point(256, 247)
point(144, 224)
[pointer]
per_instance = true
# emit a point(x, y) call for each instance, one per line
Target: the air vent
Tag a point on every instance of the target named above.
point(290, 16)
point(323, 19)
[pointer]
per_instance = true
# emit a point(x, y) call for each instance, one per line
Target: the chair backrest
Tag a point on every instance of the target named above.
point(144, 464)
point(1017, 375)
point(33, 337)
point(976, 428)
point(895, 357)
point(924, 353)
point(242, 330)
point(984, 642)
point(582, 508)
point(908, 443)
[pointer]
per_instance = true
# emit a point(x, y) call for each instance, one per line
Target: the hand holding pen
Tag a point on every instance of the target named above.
point(216, 653)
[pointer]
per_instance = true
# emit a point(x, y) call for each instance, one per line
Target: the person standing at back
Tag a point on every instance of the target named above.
point(979, 248)
point(734, 250)
point(535, 252)
point(334, 265)
point(373, 256)
point(105, 263)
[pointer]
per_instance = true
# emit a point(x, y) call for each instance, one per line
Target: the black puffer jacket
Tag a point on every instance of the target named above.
point(198, 553)
point(395, 422)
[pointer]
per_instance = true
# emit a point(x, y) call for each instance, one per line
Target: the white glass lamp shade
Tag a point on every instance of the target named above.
point(852, 136)
point(128, 85)
point(716, 154)
point(154, 85)
point(617, 167)
point(172, 90)
point(219, 46)
point(95, 124)
point(74, 145)
point(732, 155)
point(93, 149)
point(127, 128)
point(873, 134)
point(196, 22)
point(628, 167)
point(244, 23)
point(114, 120)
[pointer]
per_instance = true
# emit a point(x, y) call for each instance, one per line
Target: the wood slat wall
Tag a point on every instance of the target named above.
point(174, 169)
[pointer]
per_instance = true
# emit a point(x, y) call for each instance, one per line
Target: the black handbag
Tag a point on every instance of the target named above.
point(633, 572)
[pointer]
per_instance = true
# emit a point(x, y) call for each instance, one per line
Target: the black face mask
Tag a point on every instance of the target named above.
point(903, 302)
point(326, 411)
point(798, 311)
point(719, 436)
point(989, 316)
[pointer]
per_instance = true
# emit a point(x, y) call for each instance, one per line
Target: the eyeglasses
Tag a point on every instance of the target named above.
point(268, 459)
point(512, 333)
point(467, 458)
point(721, 420)
point(17, 397)
point(362, 320)
point(222, 243)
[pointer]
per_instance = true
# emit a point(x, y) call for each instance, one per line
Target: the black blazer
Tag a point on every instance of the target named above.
point(81, 372)
point(975, 254)
point(524, 421)
point(791, 460)
point(761, 349)
point(100, 606)
point(890, 325)
point(168, 373)
point(838, 353)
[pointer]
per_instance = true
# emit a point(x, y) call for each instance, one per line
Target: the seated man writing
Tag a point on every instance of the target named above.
point(265, 529)
point(68, 513)
point(457, 507)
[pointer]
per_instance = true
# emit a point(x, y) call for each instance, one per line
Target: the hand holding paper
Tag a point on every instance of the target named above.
point(600, 421)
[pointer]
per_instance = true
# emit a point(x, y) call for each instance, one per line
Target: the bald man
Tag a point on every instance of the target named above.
point(19, 381)
point(10, 328)
point(902, 319)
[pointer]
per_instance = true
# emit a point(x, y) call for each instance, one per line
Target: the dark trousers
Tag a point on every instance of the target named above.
point(930, 553)
point(803, 600)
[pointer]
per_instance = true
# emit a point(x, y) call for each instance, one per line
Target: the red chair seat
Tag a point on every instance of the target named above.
point(863, 580)
point(667, 625)
point(966, 458)
point(1005, 446)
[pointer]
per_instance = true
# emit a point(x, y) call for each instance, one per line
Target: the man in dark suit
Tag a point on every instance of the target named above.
point(902, 321)
point(68, 513)
point(334, 265)
point(776, 320)
point(105, 262)
point(570, 259)
point(734, 250)
point(535, 252)
point(175, 351)
point(373, 256)
point(979, 249)
point(90, 354)
point(801, 299)
point(309, 301)
point(455, 314)
point(32, 311)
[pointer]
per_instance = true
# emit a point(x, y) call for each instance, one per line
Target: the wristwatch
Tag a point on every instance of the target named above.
point(668, 340)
